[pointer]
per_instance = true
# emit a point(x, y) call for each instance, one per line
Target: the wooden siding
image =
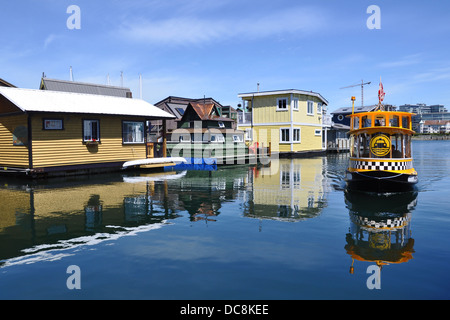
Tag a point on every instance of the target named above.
point(65, 147)
point(11, 155)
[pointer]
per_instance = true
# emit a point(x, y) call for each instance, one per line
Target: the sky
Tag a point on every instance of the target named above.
point(220, 48)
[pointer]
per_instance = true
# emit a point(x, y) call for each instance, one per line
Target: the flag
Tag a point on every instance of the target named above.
point(381, 92)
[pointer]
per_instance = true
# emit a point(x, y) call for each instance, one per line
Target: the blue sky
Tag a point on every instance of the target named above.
point(220, 48)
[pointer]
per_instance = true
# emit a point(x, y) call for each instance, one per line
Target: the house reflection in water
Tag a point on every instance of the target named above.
point(380, 230)
point(288, 189)
point(46, 215)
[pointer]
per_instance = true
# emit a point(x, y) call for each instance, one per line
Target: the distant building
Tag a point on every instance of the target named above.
point(434, 126)
point(229, 112)
point(202, 117)
point(177, 106)
point(425, 113)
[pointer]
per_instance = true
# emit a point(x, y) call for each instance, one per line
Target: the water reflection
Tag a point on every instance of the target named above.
point(39, 216)
point(288, 190)
point(380, 227)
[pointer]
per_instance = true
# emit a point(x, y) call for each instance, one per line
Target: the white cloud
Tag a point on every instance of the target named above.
point(195, 30)
point(404, 61)
point(50, 38)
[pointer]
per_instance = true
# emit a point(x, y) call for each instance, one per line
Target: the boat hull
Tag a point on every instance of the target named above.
point(381, 181)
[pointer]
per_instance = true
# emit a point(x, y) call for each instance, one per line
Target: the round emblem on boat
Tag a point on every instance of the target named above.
point(380, 145)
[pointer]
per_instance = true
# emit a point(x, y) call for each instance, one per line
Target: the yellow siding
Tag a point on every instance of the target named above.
point(10, 155)
point(301, 115)
point(309, 141)
point(65, 147)
point(265, 110)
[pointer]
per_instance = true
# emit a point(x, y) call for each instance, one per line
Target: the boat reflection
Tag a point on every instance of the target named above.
point(380, 227)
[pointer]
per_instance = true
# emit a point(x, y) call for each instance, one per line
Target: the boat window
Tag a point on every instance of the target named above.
point(406, 122)
point(379, 121)
point(366, 122)
point(397, 146)
point(355, 123)
point(394, 121)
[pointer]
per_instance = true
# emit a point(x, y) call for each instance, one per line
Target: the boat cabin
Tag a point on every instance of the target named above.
point(381, 134)
point(380, 152)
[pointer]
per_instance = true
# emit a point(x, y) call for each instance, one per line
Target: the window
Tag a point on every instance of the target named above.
point(248, 135)
point(282, 104)
point(180, 111)
point(237, 138)
point(310, 109)
point(53, 124)
point(217, 138)
point(284, 135)
point(91, 130)
point(295, 104)
point(319, 107)
point(132, 132)
point(318, 132)
point(296, 135)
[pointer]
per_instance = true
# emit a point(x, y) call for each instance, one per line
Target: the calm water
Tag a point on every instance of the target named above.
point(288, 231)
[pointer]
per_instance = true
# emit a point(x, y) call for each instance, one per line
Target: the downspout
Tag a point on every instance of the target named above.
point(30, 143)
point(291, 135)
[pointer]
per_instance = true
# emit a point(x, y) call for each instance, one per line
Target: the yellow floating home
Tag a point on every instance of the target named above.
point(289, 121)
point(53, 133)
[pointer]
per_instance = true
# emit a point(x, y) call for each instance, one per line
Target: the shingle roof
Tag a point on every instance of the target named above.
point(82, 87)
point(30, 100)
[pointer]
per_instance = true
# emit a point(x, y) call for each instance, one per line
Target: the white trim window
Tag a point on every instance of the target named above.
point(133, 132)
point(295, 104)
point(310, 108)
point(248, 136)
point(91, 130)
point(319, 107)
point(318, 132)
point(237, 138)
point(285, 135)
point(217, 138)
point(282, 104)
point(296, 135)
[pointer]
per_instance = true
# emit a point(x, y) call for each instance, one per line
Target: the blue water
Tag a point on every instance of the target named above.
point(288, 231)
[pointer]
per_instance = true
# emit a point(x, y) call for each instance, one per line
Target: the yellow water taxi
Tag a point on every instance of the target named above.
point(380, 152)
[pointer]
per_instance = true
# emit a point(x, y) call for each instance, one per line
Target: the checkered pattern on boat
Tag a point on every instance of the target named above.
point(381, 165)
point(393, 223)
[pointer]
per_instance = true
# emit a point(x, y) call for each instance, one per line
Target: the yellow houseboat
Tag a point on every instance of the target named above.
point(381, 155)
point(48, 133)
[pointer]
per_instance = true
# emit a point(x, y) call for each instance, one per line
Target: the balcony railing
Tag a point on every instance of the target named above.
point(244, 117)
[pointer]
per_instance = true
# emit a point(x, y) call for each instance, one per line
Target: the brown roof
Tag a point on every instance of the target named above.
point(204, 111)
